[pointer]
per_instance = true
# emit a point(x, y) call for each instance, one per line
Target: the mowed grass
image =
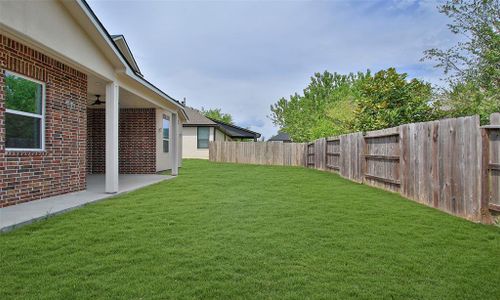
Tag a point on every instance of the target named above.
point(232, 231)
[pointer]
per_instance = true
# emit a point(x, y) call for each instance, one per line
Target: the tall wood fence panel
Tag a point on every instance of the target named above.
point(494, 166)
point(351, 160)
point(441, 165)
point(382, 159)
point(310, 155)
point(262, 153)
point(491, 168)
point(452, 164)
point(332, 154)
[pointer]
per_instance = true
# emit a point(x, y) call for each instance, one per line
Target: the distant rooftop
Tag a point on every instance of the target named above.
point(281, 137)
point(196, 118)
point(235, 131)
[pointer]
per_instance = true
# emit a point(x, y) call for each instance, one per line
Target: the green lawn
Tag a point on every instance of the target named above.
point(238, 231)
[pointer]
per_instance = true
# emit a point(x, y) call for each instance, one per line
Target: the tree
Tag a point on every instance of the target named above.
point(472, 66)
point(334, 104)
point(324, 109)
point(217, 114)
point(388, 99)
point(22, 94)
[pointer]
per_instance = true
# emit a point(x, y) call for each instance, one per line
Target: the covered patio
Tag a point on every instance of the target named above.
point(92, 117)
point(25, 213)
point(125, 136)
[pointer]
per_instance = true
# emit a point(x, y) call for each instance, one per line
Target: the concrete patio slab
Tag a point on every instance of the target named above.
point(25, 213)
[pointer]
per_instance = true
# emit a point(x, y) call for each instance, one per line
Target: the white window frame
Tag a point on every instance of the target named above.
point(163, 139)
point(27, 114)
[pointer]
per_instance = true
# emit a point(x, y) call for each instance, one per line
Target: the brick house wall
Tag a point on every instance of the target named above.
point(26, 176)
point(136, 136)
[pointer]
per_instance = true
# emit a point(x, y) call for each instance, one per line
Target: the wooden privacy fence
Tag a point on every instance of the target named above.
point(490, 170)
point(262, 153)
point(451, 164)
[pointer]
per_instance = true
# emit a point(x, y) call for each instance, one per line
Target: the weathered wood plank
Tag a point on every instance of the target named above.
point(493, 166)
point(485, 177)
point(382, 157)
point(493, 194)
point(265, 153)
point(494, 207)
point(387, 180)
point(382, 133)
point(403, 162)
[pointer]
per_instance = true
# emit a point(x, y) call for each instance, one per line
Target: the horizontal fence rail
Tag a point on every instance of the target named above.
point(451, 164)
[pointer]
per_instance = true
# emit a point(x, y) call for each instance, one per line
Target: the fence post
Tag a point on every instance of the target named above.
point(403, 159)
point(363, 151)
point(322, 152)
point(325, 156)
point(485, 178)
point(306, 155)
point(490, 181)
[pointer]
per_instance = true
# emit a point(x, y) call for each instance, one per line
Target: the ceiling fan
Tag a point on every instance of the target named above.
point(97, 100)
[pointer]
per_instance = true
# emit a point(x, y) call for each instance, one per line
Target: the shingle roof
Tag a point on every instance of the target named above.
point(280, 137)
point(197, 118)
point(235, 131)
point(137, 76)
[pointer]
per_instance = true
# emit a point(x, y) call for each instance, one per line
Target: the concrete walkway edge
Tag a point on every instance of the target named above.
point(15, 216)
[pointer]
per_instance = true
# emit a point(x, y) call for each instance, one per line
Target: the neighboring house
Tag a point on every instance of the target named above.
point(73, 103)
point(281, 137)
point(199, 130)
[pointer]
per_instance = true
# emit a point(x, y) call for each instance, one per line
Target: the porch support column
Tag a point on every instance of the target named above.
point(112, 113)
point(174, 156)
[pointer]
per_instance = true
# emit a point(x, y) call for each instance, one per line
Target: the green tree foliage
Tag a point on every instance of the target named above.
point(326, 107)
point(217, 114)
point(334, 104)
point(473, 65)
point(22, 95)
point(388, 99)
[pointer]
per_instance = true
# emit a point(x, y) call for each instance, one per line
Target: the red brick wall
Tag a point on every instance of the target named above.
point(96, 141)
point(137, 141)
point(26, 176)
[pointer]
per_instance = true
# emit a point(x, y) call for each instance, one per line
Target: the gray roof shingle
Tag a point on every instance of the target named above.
point(235, 131)
point(197, 118)
point(280, 137)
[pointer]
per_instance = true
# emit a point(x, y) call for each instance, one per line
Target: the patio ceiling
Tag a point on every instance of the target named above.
point(97, 86)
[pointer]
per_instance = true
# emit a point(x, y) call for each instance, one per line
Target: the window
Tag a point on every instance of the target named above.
point(24, 114)
point(166, 134)
point(203, 137)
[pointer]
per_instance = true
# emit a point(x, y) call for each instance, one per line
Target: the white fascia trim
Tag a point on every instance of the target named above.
point(134, 64)
point(103, 34)
point(138, 78)
point(128, 71)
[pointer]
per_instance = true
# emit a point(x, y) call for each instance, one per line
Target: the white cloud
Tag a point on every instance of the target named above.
point(242, 56)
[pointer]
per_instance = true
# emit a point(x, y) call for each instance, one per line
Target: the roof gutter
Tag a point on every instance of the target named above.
point(149, 85)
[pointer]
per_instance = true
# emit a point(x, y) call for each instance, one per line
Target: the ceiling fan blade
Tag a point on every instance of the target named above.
point(98, 100)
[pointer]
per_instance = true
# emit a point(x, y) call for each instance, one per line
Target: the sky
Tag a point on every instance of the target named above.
point(243, 56)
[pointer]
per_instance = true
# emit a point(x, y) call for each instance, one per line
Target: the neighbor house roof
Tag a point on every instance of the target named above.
point(235, 131)
point(196, 118)
point(280, 137)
